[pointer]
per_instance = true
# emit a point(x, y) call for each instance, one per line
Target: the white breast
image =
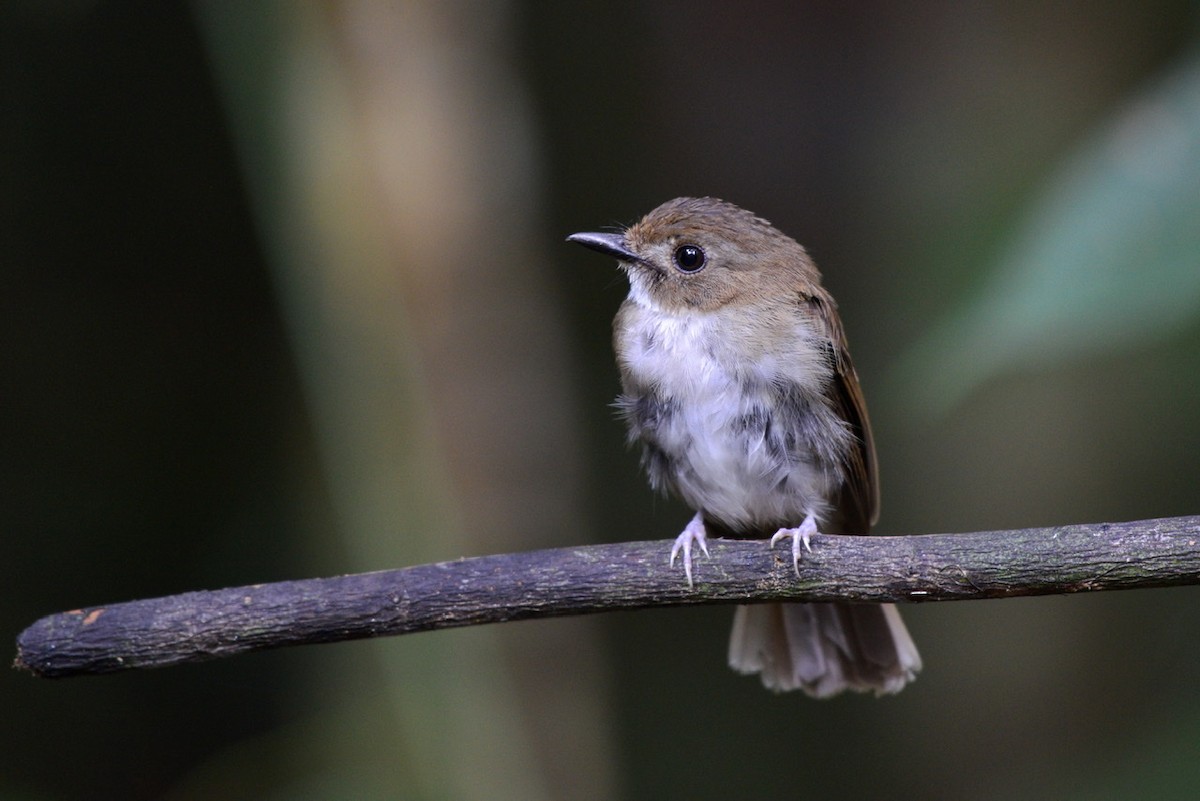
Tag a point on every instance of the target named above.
point(715, 381)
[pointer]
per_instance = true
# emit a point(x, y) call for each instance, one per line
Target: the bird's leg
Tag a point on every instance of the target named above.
point(800, 536)
point(693, 532)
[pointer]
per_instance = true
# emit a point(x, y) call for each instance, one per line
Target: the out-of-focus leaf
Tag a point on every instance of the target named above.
point(1108, 257)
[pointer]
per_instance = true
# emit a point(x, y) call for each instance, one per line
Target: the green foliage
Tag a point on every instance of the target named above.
point(1108, 257)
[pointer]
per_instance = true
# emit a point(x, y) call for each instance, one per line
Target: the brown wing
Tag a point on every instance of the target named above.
point(859, 504)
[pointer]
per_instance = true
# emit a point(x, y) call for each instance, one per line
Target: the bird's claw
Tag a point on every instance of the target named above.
point(692, 533)
point(801, 535)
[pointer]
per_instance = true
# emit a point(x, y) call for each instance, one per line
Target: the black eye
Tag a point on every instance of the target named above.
point(689, 258)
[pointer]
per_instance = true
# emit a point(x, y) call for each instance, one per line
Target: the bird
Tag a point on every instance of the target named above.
point(737, 383)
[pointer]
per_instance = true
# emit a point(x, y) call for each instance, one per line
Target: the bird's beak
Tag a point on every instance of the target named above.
point(612, 244)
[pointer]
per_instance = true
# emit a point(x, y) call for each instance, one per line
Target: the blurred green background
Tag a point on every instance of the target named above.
point(283, 293)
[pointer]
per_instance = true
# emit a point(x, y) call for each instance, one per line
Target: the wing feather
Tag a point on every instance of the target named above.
point(859, 504)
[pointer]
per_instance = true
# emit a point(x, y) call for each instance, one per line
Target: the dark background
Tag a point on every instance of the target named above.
point(197, 379)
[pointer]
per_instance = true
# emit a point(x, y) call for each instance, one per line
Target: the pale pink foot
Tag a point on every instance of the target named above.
point(800, 536)
point(692, 533)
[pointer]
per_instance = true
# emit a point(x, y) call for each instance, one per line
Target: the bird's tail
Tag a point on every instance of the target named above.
point(824, 649)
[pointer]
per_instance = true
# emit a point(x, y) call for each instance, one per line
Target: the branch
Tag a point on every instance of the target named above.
point(197, 626)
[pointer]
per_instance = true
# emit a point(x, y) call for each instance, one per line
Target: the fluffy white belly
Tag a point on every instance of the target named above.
point(738, 439)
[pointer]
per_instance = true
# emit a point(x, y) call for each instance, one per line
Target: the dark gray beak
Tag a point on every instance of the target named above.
point(612, 244)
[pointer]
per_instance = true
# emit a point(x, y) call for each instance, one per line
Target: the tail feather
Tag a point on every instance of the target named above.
point(824, 649)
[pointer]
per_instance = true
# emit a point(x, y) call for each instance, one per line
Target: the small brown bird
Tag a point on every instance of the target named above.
point(738, 384)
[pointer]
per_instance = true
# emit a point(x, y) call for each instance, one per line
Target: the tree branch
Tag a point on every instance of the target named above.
point(197, 626)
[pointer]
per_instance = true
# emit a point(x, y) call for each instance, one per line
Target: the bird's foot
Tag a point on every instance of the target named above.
point(799, 536)
point(692, 533)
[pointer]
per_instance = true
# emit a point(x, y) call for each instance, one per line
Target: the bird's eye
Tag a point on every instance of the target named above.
point(689, 258)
